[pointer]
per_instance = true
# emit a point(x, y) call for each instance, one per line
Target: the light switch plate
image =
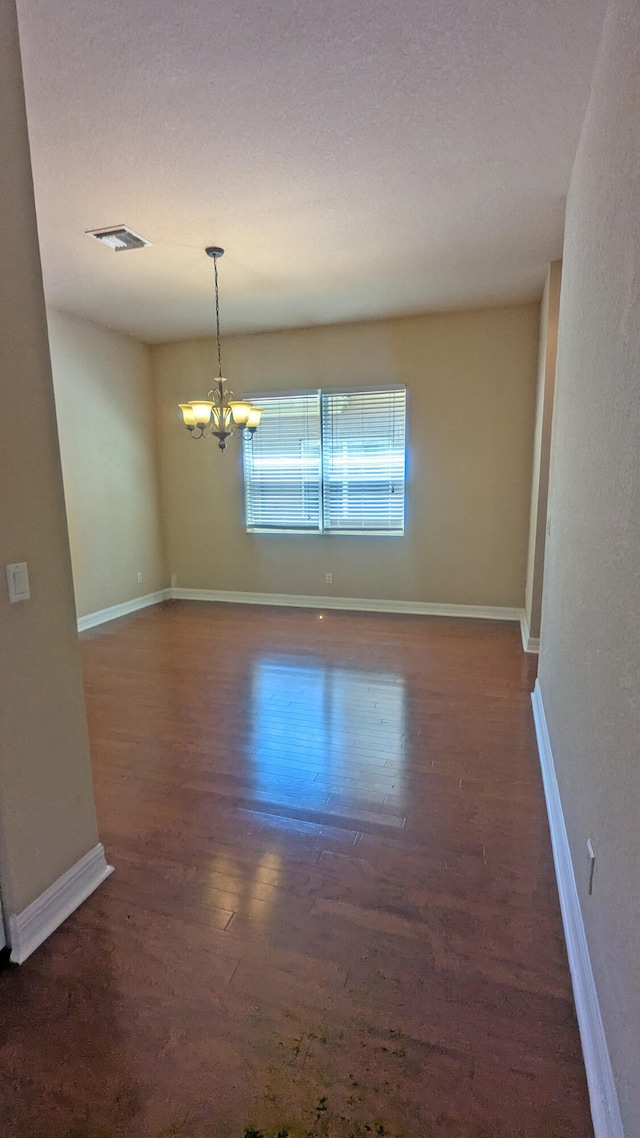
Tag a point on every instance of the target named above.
point(18, 582)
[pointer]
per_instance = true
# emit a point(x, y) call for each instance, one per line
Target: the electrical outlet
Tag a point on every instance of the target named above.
point(328, 578)
point(549, 525)
point(139, 576)
point(592, 864)
point(173, 580)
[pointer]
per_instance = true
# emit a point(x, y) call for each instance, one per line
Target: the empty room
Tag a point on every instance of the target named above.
point(319, 715)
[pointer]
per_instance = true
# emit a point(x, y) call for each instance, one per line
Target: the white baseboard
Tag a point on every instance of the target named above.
point(112, 613)
point(28, 929)
point(352, 604)
point(295, 600)
point(605, 1111)
point(529, 643)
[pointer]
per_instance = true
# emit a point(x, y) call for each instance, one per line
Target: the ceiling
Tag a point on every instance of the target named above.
point(356, 158)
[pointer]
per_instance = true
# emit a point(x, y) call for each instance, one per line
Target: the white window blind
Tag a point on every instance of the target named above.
point(363, 461)
point(328, 462)
point(282, 465)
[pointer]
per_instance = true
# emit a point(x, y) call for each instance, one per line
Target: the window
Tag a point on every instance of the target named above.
point(327, 462)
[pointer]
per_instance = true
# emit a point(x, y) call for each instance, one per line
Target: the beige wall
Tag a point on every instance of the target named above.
point(590, 649)
point(47, 817)
point(549, 313)
point(471, 393)
point(105, 408)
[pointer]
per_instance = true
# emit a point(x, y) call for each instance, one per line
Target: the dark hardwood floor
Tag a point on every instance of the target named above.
point(334, 909)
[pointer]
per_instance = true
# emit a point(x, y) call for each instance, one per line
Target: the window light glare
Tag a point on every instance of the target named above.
point(310, 470)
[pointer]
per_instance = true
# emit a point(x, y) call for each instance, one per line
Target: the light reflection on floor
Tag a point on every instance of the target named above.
point(253, 890)
point(319, 729)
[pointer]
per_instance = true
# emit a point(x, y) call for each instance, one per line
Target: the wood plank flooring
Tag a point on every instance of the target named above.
point(334, 910)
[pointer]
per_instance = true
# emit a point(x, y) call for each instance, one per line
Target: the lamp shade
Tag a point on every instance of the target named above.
point(188, 417)
point(253, 418)
point(240, 410)
point(201, 411)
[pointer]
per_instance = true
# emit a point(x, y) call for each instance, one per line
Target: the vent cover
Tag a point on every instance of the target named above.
point(119, 238)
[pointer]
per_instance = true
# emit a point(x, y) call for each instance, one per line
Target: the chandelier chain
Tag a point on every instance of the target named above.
point(220, 415)
point(215, 270)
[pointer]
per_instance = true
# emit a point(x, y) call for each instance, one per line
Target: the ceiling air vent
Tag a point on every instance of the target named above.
point(119, 238)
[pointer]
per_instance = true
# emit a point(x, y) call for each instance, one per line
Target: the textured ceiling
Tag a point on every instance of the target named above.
point(356, 158)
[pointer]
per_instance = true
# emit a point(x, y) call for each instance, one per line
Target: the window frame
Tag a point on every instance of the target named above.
point(321, 530)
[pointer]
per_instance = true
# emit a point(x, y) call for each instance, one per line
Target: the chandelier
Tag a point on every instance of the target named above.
point(219, 415)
